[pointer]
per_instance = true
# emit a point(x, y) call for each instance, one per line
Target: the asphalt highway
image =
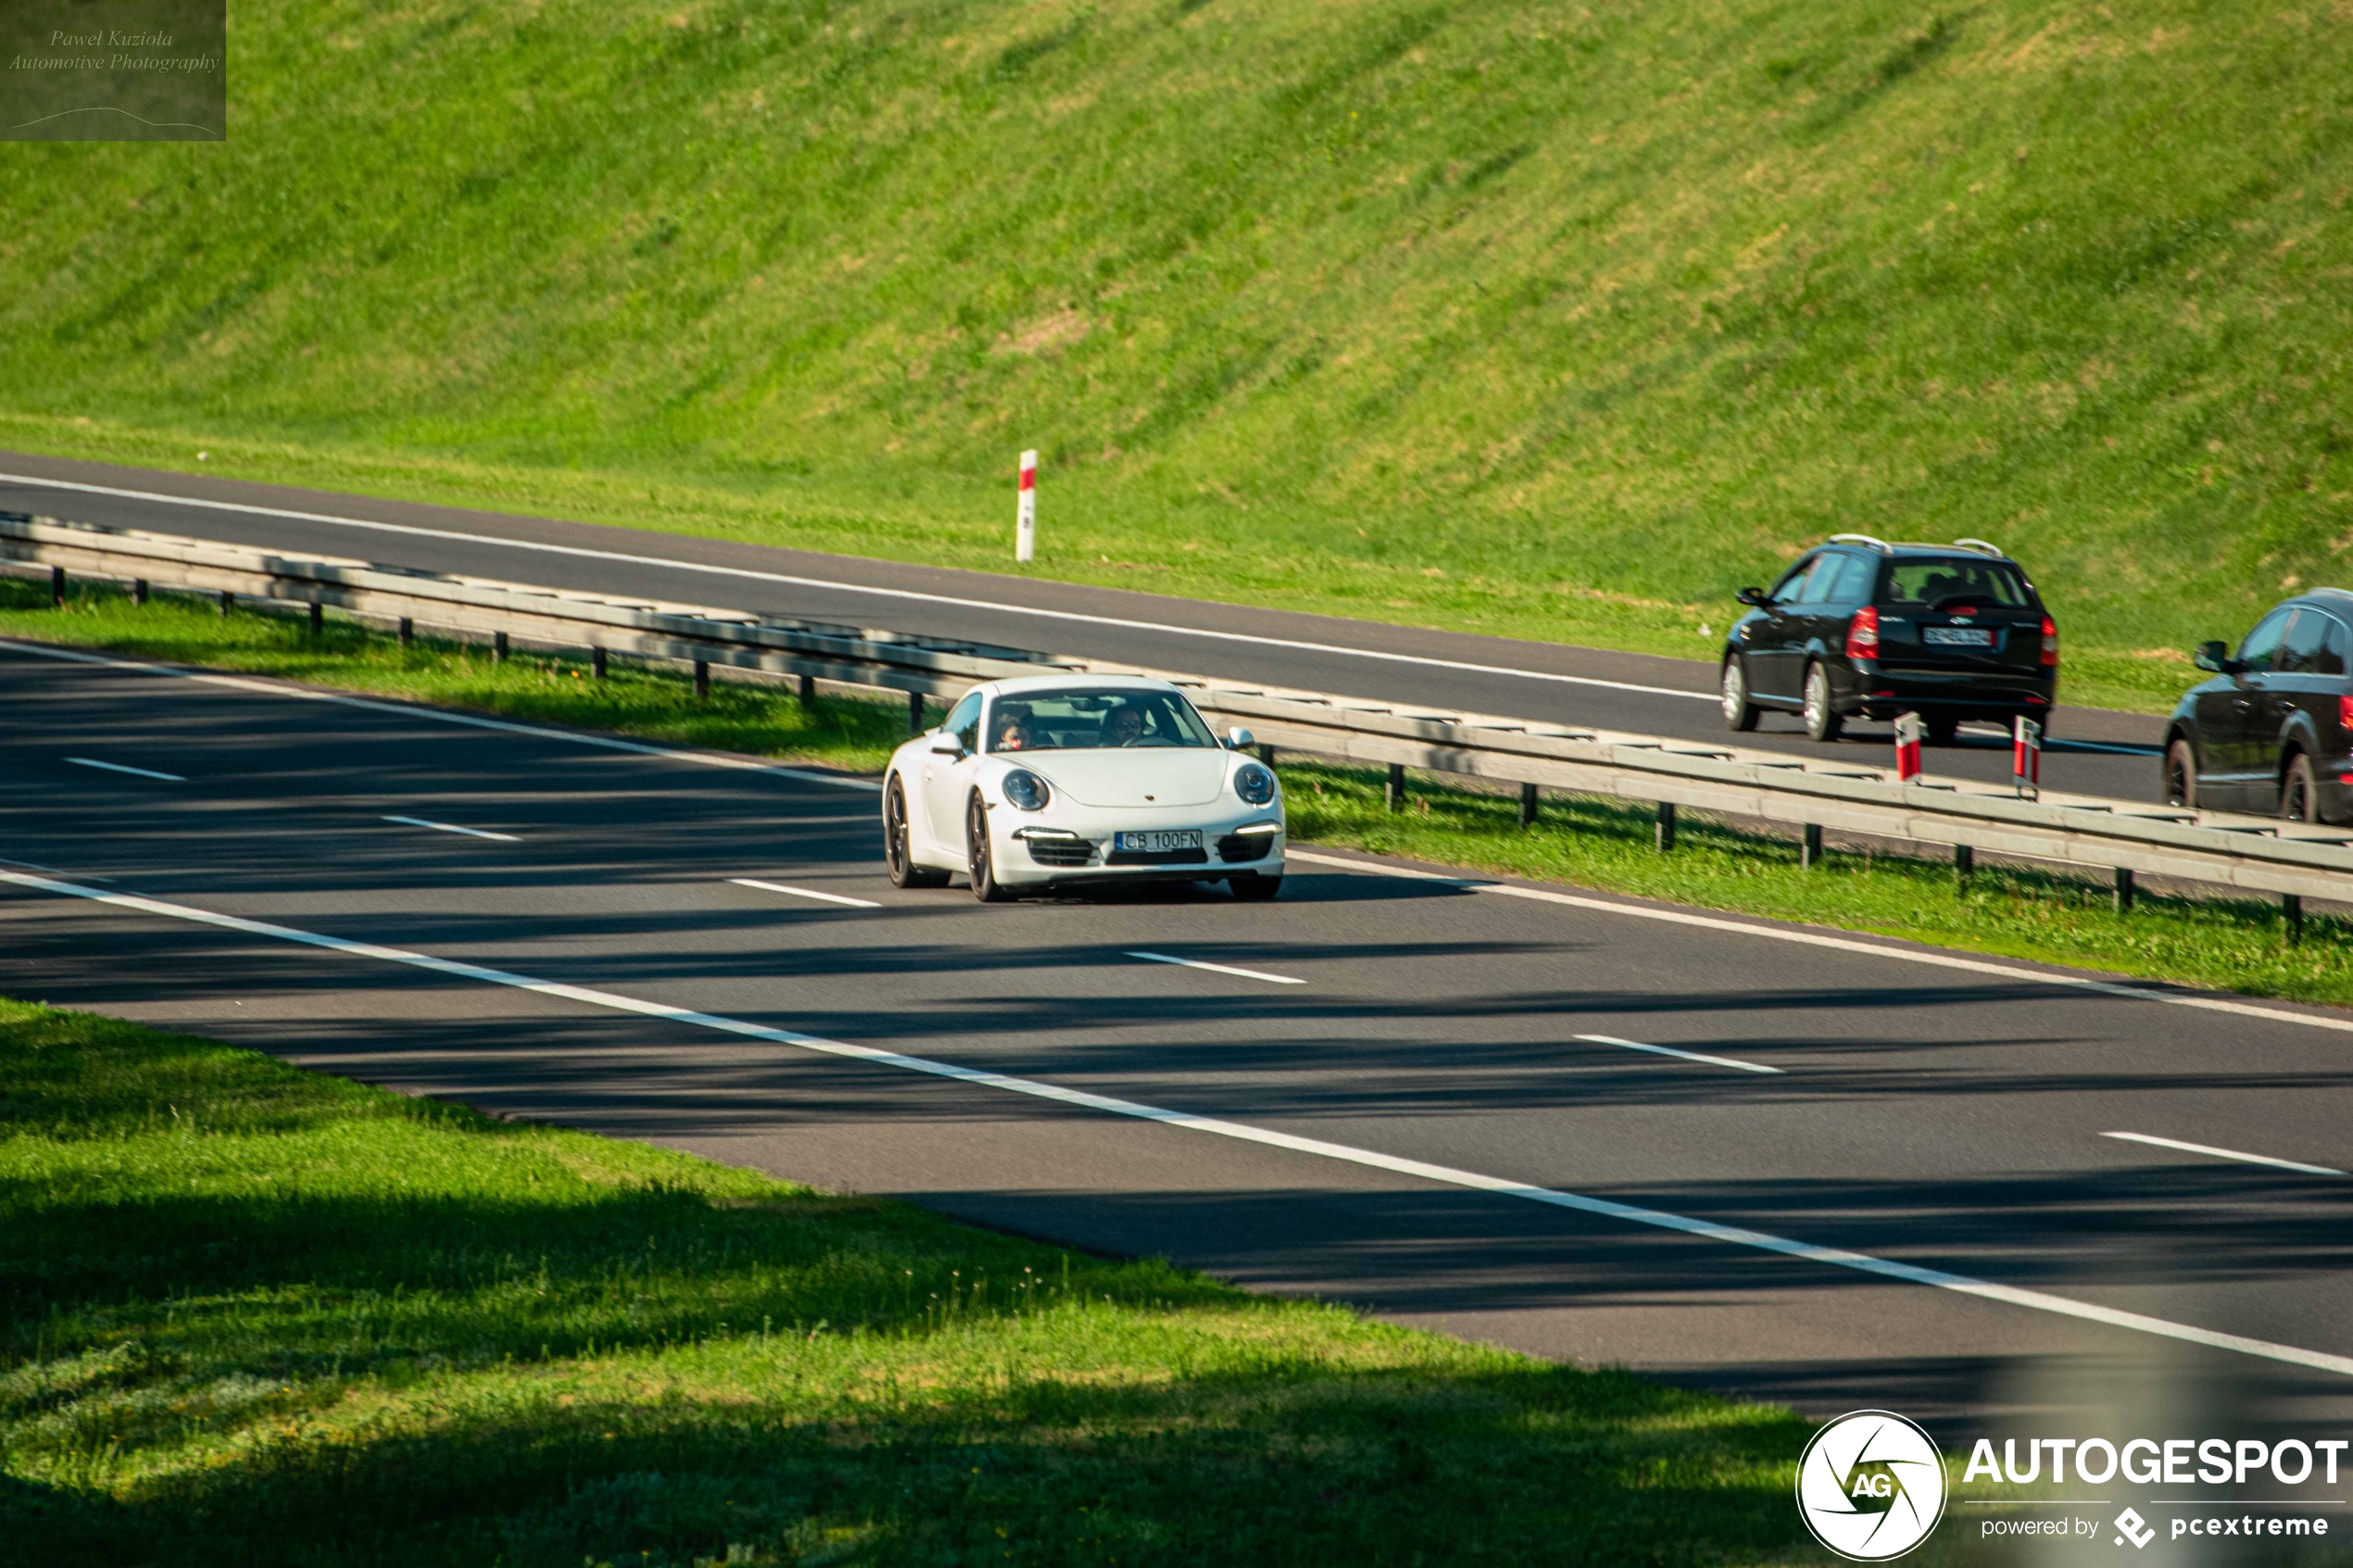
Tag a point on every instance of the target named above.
point(2094, 751)
point(1879, 1175)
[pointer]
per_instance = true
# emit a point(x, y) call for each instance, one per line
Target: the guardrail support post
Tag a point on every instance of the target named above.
point(56, 588)
point(2124, 891)
point(228, 601)
point(406, 632)
point(702, 679)
point(2292, 910)
point(1393, 796)
point(1964, 863)
point(317, 618)
point(1809, 847)
point(499, 646)
point(1665, 825)
point(1527, 805)
point(914, 713)
point(138, 589)
point(808, 690)
point(1266, 754)
point(597, 662)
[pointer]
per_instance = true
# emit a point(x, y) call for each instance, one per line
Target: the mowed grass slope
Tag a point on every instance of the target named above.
point(251, 1315)
point(1531, 316)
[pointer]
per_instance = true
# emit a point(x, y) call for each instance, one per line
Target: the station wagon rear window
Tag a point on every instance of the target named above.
point(1933, 584)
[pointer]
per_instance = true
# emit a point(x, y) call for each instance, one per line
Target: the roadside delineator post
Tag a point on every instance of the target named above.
point(1025, 516)
point(1908, 730)
point(2026, 758)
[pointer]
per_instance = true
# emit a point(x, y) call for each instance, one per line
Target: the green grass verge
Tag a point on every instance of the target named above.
point(846, 732)
point(250, 1314)
point(1527, 316)
point(2226, 942)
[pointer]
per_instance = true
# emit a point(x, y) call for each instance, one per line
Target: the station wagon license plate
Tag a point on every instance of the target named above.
point(1158, 842)
point(1957, 636)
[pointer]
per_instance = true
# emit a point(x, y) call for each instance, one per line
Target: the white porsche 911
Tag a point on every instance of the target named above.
point(1060, 781)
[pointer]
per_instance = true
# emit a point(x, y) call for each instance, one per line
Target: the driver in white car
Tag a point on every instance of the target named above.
point(1122, 726)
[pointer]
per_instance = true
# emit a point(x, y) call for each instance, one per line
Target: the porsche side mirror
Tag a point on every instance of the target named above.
point(1752, 598)
point(945, 744)
point(1240, 739)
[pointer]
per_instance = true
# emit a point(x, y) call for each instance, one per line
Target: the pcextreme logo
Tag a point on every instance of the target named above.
point(1870, 1485)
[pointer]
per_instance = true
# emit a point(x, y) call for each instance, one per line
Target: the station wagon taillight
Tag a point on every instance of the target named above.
point(1862, 633)
point(2050, 640)
point(2345, 712)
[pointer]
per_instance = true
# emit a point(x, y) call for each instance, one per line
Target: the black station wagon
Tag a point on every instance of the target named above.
point(1862, 628)
point(2273, 730)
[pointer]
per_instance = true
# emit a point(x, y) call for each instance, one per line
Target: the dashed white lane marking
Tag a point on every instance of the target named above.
point(452, 827)
point(804, 892)
point(2226, 1153)
point(121, 768)
point(1687, 1056)
point(910, 594)
point(1217, 967)
point(1735, 1235)
point(1837, 944)
point(439, 716)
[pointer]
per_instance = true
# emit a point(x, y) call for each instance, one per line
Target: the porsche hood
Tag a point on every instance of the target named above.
point(1155, 776)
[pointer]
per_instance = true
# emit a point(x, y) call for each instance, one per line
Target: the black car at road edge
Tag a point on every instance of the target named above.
point(1862, 628)
point(2273, 730)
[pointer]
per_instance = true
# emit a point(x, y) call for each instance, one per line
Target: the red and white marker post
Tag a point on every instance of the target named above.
point(1908, 730)
point(1025, 518)
point(2026, 758)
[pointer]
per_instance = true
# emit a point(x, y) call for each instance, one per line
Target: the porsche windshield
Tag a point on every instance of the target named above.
point(1084, 718)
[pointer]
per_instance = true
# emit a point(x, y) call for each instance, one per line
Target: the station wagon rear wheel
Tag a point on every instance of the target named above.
point(1822, 721)
point(2299, 793)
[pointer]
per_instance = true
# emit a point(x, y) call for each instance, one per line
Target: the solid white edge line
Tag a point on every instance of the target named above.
point(1838, 944)
point(452, 827)
point(1447, 1175)
point(439, 716)
point(118, 768)
point(1687, 1056)
point(2227, 1153)
point(1215, 967)
point(803, 893)
point(912, 595)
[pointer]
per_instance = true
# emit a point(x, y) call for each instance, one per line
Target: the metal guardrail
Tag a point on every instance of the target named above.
point(2256, 854)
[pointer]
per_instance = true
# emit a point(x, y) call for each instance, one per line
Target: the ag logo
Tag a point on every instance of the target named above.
point(1870, 1485)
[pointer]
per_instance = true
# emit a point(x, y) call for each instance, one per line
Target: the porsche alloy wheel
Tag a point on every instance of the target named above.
point(898, 847)
point(985, 887)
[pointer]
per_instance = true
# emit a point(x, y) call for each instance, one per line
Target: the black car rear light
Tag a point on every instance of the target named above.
point(2050, 640)
point(2345, 712)
point(1862, 633)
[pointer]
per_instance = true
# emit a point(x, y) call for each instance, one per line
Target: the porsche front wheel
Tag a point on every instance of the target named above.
point(985, 887)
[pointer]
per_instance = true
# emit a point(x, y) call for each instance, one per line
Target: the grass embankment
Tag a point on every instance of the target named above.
point(1529, 317)
point(2230, 944)
point(253, 1316)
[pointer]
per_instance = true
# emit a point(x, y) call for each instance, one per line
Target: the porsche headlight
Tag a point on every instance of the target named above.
point(1025, 790)
point(1255, 784)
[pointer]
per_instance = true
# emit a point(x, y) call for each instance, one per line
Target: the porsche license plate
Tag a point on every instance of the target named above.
point(1158, 842)
point(1957, 636)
